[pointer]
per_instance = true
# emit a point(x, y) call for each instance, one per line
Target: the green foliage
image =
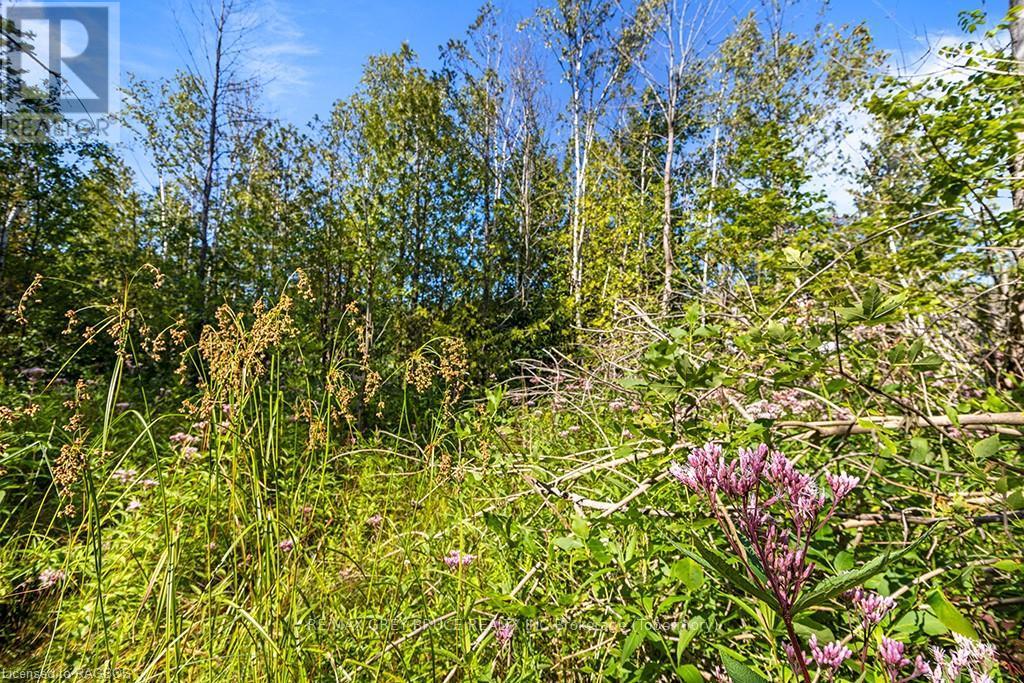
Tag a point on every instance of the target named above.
point(358, 420)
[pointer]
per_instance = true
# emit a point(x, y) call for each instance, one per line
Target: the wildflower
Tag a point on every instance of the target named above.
point(705, 470)
point(183, 439)
point(841, 485)
point(457, 559)
point(617, 405)
point(124, 476)
point(893, 660)
point(831, 656)
point(148, 483)
point(375, 521)
point(122, 406)
point(764, 410)
point(503, 631)
point(48, 578)
point(776, 544)
point(970, 656)
point(189, 452)
point(872, 606)
point(286, 545)
point(133, 505)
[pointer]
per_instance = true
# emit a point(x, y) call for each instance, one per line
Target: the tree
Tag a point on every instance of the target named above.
point(590, 52)
point(679, 29)
point(198, 127)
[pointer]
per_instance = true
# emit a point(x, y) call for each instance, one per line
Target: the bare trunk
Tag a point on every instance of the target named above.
point(526, 203)
point(1017, 44)
point(210, 162)
point(1016, 294)
point(5, 238)
point(666, 226)
point(576, 265)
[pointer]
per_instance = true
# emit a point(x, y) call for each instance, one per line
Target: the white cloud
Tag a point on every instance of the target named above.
point(929, 59)
point(277, 55)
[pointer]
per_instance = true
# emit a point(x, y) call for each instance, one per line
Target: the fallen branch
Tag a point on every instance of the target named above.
point(874, 519)
point(989, 421)
point(604, 506)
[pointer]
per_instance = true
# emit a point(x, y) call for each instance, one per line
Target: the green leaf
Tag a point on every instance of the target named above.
point(950, 616)
point(711, 559)
point(599, 551)
point(986, 448)
point(687, 632)
point(689, 572)
point(741, 673)
point(568, 543)
point(690, 674)
point(580, 527)
point(920, 449)
point(843, 561)
point(632, 641)
point(844, 581)
point(928, 362)
point(1008, 565)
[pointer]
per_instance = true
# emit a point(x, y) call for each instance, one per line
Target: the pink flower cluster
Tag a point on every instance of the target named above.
point(129, 476)
point(830, 657)
point(456, 559)
point(125, 476)
point(746, 478)
point(48, 578)
point(971, 657)
point(894, 662)
point(778, 510)
point(782, 402)
point(503, 631)
point(872, 607)
point(183, 439)
point(187, 444)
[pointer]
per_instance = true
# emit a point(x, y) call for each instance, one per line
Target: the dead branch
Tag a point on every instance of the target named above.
point(985, 421)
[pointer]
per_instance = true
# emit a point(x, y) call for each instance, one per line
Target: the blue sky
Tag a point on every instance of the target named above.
point(314, 49)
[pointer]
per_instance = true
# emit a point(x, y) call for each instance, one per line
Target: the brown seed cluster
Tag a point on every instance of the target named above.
point(158, 277)
point(304, 287)
point(343, 395)
point(33, 289)
point(454, 366)
point(419, 372)
point(234, 355)
point(71, 461)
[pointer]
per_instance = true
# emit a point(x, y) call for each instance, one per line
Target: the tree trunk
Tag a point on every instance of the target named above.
point(1015, 328)
point(210, 163)
point(666, 225)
